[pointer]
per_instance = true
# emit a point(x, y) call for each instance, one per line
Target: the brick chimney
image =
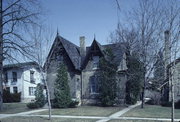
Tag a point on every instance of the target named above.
point(82, 46)
point(167, 50)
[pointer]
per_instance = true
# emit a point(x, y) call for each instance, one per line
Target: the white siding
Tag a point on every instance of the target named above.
point(23, 81)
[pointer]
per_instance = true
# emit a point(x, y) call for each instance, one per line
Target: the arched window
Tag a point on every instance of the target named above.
point(94, 85)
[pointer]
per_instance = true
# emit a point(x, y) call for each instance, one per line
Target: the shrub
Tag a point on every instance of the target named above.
point(155, 97)
point(32, 105)
point(177, 105)
point(166, 104)
point(150, 102)
point(11, 97)
point(16, 97)
point(6, 96)
point(73, 103)
point(39, 96)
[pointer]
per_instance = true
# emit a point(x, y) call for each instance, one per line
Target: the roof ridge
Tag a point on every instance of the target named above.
point(68, 41)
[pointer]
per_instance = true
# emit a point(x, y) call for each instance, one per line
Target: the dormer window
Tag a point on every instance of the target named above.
point(6, 78)
point(95, 62)
point(14, 75)
point(32, 80)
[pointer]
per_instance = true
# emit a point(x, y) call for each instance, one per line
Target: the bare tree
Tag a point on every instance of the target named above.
point(144, 28)
point(42, 47)
point(17, 17)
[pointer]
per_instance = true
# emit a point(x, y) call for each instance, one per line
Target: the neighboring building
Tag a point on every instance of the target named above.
point(22, 77)
point(173, 73)
point(83, 67)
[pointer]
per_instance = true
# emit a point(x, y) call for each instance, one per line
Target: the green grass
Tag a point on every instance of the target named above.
point(152, 111)
point(85, 111)
point(11, 108)
point(135, 121)
point(42, 119)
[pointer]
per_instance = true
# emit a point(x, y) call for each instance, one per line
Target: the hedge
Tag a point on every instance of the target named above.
point(11, 97)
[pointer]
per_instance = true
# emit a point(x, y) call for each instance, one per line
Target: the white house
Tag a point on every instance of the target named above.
point(22, 77)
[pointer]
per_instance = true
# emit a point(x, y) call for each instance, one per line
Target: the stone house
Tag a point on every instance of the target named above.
point(22, 77)
point(83, 67)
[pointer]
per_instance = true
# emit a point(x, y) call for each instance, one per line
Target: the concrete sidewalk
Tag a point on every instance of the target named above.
point(21, 113)
point(97, 117)
point(120, 113)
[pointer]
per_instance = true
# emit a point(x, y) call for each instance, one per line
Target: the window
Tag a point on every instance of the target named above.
point(15, 90)
point(178, 89)
point(59, 58)
point(8, 89)
point(94, 86)
point(95, 62)
point(32, 91)
point(32, 80)
point(6, 78)
point(14, 74)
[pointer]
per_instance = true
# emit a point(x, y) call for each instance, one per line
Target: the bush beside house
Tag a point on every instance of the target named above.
point(39, 98)
point(11, 97)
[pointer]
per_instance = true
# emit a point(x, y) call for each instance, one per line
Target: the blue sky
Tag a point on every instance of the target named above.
point(75, 18)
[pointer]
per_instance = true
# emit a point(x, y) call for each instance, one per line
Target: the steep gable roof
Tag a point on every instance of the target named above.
point(118, 50)
point(88, 52)
point(71, 49)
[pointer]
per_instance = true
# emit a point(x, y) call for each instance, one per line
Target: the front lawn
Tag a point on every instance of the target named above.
point(42, 119)
point(11, 108)
point(85, 111)
point(152, 111)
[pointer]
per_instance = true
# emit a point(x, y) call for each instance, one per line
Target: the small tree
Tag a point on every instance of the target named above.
point(39, 96)
point(62, 90)
point(135, 79)
point(108, 85)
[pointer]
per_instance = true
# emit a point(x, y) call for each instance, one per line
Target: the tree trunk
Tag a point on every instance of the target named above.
point(172, 95)
point(1, 58)
point(143, 90)
point(47, 90)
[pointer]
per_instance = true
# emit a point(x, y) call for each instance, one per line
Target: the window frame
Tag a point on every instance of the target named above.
point(95, 62)
point(94, 85)
point(15, 91)
point(32, 79)
point(6, 77)
point(14, 76)
point(32, 91)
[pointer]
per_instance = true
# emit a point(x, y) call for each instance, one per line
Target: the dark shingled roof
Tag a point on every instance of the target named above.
point(71, 49)
point(118, 50)
point(74, 55)
point(18, 65)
